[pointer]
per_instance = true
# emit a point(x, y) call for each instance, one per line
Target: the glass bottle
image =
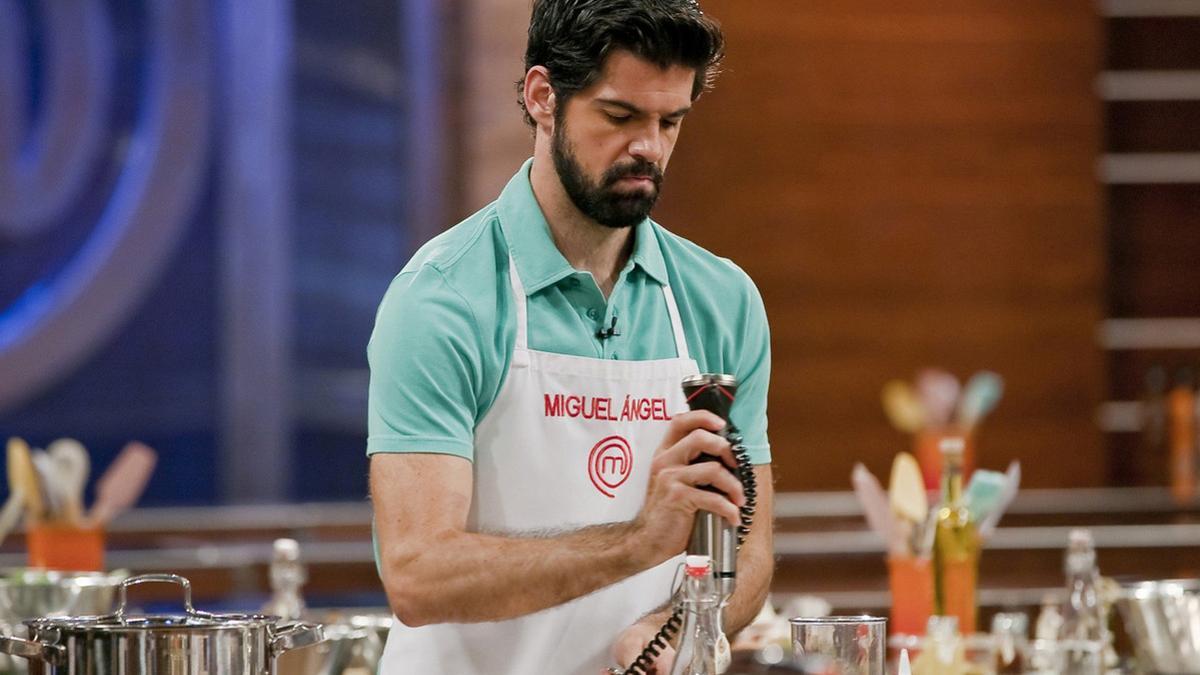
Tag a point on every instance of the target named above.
point(955, 545)
point(1081, 637)
point(700, 637)
point(287, 577)
point(1009, 633)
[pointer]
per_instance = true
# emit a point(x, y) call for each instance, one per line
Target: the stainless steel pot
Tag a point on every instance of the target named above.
point(194, 643)
point(1163, 619)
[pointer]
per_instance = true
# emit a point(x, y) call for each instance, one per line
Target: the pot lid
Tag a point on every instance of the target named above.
point(191, 619)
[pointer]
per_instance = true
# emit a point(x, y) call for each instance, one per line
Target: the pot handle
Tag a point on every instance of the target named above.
point(162, 578)
point(295, 636)
point(29, 649)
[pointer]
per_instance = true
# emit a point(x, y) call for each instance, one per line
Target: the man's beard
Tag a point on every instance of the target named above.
point(601, 202)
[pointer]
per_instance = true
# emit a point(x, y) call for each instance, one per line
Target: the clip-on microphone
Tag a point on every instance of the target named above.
point(611, 331)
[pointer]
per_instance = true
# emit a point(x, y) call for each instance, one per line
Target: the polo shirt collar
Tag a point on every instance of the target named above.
point(538, 260)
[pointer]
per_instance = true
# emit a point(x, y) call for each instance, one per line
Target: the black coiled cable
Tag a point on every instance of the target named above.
point(745, 474)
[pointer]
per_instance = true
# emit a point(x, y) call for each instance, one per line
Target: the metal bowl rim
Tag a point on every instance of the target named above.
point(1150, 589)
point(846, 619)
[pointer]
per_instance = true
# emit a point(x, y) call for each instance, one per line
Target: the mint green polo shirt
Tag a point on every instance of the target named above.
point(445, 330)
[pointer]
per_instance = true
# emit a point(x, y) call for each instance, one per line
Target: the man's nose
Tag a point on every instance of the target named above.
point(648, 144)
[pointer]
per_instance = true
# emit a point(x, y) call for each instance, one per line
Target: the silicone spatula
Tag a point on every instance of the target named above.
point(873, 501)
point(938, 392)
point(982, 393)
point(72, 464)
point(122, 483)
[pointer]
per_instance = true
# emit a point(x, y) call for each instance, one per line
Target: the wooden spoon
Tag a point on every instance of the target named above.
point(22, 478)
point(903, 407)
point(906, 489)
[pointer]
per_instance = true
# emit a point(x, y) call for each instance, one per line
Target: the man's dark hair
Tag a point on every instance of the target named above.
point(571, 39)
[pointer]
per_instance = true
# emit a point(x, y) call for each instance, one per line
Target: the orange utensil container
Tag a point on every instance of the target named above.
point(66, 548)
point(910, 579)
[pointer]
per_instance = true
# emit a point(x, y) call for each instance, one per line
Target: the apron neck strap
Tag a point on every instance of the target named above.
point(681, 348)
point(519, 304)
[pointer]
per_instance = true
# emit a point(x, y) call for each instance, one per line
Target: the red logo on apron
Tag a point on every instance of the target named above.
point(610, 464)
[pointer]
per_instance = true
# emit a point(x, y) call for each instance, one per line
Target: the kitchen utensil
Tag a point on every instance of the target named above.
point(875, 507)
point(48, 483)
point(72, 465)
point(982, 393)
point(122, 483)
point(1011, 484)
point(194, 643)
point(22, 478)
point(1163, 620)
point(906, 492)
point(984, 492)
point(902, 406)
point(938, 392)
point(906, 489)
point(10, 513)
point(855, 644)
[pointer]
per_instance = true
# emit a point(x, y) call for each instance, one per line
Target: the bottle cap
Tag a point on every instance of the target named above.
point(697, 565)
point(286, 549)
point(1080, 538)
point(952, 445)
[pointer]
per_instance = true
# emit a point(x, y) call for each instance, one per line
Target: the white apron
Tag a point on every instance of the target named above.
point(567, 444)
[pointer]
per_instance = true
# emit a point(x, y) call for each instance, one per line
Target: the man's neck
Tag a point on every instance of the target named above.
point(586, 244)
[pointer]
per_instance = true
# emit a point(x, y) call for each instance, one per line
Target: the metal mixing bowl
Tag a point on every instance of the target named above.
point(32, 593)
point(1163, 620)
point(353, 645)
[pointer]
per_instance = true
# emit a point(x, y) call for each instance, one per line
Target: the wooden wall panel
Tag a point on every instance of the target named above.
point(910, 183)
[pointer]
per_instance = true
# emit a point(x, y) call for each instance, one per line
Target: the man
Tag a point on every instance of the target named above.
point(530, 445)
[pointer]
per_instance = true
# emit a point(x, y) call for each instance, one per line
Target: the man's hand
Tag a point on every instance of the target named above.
point(674, 494)
point(633, 640)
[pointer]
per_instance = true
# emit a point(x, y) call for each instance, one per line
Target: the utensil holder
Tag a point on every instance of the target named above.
point(66, 547)
point(910, 580)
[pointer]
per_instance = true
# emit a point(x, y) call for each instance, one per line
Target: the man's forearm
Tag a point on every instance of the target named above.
point(463, 577)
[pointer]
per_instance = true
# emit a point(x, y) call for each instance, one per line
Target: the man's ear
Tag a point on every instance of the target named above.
point(539, 97)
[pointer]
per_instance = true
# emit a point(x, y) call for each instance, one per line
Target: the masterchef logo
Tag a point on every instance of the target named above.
point(609, 464)
point(629, 409)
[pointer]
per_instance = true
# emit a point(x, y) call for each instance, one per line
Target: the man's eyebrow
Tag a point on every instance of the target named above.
point(633, 109)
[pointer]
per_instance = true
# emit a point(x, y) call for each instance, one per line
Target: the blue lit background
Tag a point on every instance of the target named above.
point(157, 378)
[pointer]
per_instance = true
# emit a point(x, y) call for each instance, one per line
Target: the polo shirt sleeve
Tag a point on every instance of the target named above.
point(754, 376)
point(425, 358)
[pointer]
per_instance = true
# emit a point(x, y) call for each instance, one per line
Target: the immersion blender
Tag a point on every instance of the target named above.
point(712, 535)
